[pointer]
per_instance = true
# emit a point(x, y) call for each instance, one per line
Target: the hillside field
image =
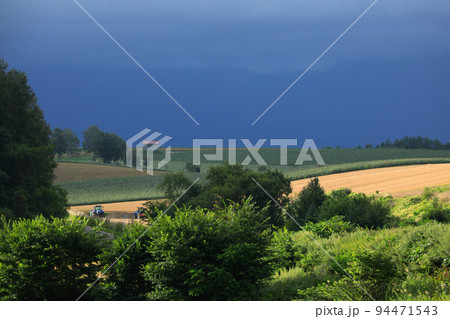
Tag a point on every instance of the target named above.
point(384, 180)
point(89, 183)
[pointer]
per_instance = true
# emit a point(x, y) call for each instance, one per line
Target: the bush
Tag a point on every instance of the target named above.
point(208, 255)
point(125, 281)
point(305, 207)
point(153, 208)
point(234, 183)
point(192, 168)
point(375, 271)
point(326, 228)
point(438, 212)
point(282, 250)
point(359, 209)
point(416, 210)
point(47, 260)
point(422, 287)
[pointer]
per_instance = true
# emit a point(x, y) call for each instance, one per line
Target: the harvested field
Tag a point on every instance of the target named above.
point(116, 212)
point(121, 207)
point(72, 172)
point(392, 180)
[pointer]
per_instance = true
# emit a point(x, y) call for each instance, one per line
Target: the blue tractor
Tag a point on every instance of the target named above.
point(98, 210)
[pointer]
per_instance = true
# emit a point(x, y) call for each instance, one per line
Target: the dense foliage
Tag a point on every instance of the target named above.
point(108, 146)
point(312, 205)
point(26, 153)
point(359, 209)
point(47, 260)
point(197, 254)
point(64, 141)
point(416, 142)
point(232, 183)
point(305, 208)
point(407, 263)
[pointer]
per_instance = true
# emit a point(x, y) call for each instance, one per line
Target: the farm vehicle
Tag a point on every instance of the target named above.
point(98, 211)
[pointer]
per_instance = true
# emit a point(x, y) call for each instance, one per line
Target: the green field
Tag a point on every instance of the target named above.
point(129, 188)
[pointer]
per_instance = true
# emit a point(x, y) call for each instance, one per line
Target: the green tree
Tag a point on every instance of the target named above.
point(359, 209)
point(198, 254)
point(235, 183)
point(64, 141)
point(111, 147)
point(208, 255)
point(305, 208)
point(173, 185)
point(26, 153)
point(91, 138)
point(72, 140)
point(125, 281)
point(59, 142)
point(47, 260)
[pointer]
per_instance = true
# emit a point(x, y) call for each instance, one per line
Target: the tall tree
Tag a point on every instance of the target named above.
point(91, 138)
point(111, 147)
point(59, 142)
point(71, 140)
point(26, 153)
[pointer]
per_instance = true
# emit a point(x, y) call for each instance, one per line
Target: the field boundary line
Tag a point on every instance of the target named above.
point(314, 240)
point(136, 62)
point(315, 61)
point(129, 247)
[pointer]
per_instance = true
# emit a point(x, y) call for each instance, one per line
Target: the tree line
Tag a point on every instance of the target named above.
point(416, 142)
point(108, 146)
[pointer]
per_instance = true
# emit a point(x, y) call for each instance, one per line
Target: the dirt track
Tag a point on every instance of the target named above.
point(116, 212)
point(392, 180)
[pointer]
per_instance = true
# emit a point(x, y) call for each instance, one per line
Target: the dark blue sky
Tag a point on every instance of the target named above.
point(227, 61)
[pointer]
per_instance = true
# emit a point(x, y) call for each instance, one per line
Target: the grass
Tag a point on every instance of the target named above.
point(421, 253)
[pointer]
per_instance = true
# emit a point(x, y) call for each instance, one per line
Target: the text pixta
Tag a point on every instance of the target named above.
point(253, 150)
point(337, 311)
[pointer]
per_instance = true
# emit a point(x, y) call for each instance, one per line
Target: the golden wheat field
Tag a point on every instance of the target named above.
point(392, 180)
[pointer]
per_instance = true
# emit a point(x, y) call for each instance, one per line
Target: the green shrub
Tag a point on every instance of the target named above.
point(282, 250)
point(414, 210)
point(375, 273)
point(284, 285)
point(208, 255)
point(125, 281)
point(326, 228)
point(47, 260)
point(359, 209)
point(418, 286)
point(153, 208)
point(438, 212)
point(305, 207)
point(235, 183)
